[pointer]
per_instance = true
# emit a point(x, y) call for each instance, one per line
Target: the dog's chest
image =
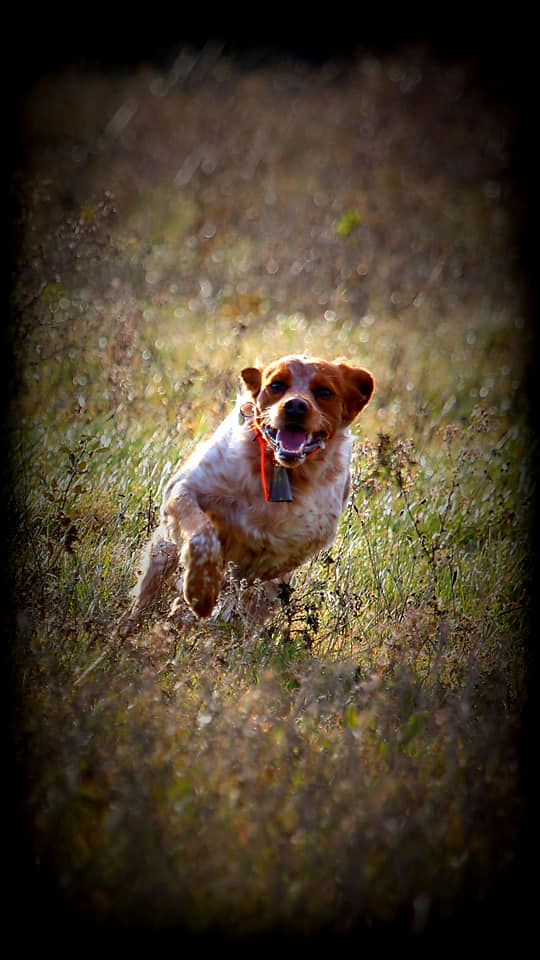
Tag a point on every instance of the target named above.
point(266, 539)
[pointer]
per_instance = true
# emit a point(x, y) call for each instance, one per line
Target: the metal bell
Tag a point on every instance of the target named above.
point(281, 486)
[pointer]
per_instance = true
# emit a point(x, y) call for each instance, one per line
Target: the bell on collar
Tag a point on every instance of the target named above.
point(281, 486)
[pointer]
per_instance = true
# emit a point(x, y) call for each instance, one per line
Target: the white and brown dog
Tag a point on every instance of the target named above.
point(265, 492)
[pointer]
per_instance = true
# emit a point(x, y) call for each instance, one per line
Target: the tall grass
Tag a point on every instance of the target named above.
point(354, 761)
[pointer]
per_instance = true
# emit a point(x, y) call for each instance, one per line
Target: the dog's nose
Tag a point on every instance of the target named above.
point(296, 408)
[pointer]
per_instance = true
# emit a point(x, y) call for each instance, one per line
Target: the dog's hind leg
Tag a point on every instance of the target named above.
point(158, 563)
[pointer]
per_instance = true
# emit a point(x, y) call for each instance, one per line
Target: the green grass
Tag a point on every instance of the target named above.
point(355, 761)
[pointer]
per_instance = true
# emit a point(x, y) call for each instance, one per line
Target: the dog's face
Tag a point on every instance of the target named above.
point(300, 402)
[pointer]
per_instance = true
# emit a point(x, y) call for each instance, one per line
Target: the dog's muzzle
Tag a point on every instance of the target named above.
point(292, 444)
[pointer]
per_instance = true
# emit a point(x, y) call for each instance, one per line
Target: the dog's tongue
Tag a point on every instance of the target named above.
point(293, 441)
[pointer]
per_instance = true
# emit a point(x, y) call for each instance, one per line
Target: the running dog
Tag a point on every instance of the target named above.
point(264, 493)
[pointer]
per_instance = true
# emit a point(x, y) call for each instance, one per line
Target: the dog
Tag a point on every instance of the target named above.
point(264, 493)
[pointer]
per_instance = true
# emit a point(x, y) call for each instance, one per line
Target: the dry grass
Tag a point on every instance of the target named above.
point(354, 764)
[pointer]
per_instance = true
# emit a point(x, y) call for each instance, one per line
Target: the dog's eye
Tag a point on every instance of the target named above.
point(277, 387)
point(323, 393)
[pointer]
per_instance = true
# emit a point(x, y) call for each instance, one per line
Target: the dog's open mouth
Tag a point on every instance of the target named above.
point(292, 444)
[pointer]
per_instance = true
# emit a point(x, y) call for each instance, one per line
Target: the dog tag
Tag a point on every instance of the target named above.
point(245, 413)
point(281, 486)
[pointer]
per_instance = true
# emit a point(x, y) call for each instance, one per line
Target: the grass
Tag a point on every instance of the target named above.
point(355, 763)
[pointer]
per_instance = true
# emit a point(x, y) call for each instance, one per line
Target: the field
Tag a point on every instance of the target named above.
point(353, 765)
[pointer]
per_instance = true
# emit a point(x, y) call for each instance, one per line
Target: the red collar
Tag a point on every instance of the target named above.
point(280, 490)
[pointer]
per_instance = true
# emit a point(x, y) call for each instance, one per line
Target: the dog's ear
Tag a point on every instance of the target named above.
point(358, 386)
point(252, 378)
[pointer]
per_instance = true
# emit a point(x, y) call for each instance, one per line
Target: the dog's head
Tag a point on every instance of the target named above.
point(300, 402)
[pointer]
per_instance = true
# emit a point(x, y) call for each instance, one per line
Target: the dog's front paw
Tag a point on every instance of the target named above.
point(203, 571)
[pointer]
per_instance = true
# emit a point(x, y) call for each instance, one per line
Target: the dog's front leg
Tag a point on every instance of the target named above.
point(201, 555)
